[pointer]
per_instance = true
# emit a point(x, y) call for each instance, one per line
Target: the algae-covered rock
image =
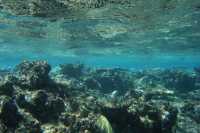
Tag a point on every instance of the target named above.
point(104, 125)
point(109, 80)
point(142, 117)
point(55, 128)
point(46, 108)
point(179, 80)
point(72, 70)
point(192, 110)
point(82, 124)
point(9, 113)
point(43, 106)
point(172, 79)
point(186, 125)
point(6, 88)
point(34, 74)
point(29, 124)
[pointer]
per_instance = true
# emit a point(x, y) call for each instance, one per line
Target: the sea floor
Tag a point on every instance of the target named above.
point(74, 98)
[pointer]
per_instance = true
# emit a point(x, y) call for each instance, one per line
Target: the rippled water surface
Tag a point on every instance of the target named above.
point(136, 36)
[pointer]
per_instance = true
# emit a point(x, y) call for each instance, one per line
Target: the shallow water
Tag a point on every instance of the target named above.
point(132, 37)
point(105, 58)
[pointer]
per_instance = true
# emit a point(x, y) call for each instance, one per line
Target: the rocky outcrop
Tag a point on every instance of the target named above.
point(6, 88)
point(72, 70)
point(42, 105)
point(109, 80)
point(33, 75)
point(9, 113)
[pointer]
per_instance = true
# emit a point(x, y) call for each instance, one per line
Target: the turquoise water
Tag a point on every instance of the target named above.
point(150, 39)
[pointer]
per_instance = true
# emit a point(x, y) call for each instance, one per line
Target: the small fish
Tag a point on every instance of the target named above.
point(113, 94)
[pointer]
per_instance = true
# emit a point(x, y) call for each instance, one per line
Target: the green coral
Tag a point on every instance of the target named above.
point(104, 125)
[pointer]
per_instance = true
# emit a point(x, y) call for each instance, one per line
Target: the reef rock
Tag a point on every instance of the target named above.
point(192, 110)
point(33, 75)
point(176, 80)
point(85, 124)
point(179, 80)
point(72, 70)
point(6, 88)
point(108, 80)
point(186, 125)
point(28, 124)
point(44, 106)
point(142, 117)
point(9, 113)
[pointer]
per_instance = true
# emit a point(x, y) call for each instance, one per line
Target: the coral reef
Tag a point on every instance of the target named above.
point(76, 99)
point(33, 75)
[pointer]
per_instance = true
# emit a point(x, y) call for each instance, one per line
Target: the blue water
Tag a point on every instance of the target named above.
point(169, 40)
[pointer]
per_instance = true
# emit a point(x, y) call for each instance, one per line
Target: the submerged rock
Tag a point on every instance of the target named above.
point(181, 81)
point(186, 125)
point(193, 111)
point(9, 113)
point(72, 70)
point(142, 117)
point(34, 75)
point(173, 79)
point(85, 124)
point(109, 80)
point(6, 88)
point(51, 128)
point(29, 124)
point(44, 106)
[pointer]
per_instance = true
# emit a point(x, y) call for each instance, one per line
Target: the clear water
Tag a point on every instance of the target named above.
point(143, 35)
point(133, 37)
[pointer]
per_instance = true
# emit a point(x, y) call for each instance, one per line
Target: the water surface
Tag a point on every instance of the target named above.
point(134, 37)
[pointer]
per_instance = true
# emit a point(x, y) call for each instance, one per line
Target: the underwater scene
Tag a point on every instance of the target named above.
point(99, 66)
